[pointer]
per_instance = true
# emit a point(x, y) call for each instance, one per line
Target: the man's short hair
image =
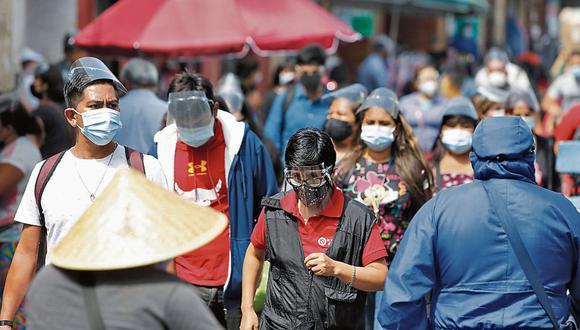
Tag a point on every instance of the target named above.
point(140, 73)
point(189, 81)
point(311, 54)
point(309, 147)
point(73, 89)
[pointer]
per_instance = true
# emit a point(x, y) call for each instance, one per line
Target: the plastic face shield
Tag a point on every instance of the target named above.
point(382, 98)
point(234, 99)
point(95, 69)
point(355, 93)
point(190, 109)
point(312, 176)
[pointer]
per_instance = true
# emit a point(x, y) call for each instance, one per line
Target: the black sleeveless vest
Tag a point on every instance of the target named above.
point(297, 299)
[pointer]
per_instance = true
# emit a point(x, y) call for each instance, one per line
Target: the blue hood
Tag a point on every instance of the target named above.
point(501, 149)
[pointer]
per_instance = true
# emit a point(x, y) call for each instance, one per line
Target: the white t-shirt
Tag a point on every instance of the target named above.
point(23, 154)
point(65, 197)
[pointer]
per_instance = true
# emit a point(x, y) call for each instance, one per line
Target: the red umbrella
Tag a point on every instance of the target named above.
point(186, 28)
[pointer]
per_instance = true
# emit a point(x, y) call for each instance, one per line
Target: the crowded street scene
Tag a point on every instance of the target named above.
point(289, 164)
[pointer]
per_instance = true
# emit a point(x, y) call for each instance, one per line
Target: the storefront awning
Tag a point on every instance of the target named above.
point(462, 7)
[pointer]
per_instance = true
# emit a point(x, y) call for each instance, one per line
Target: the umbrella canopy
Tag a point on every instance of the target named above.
point(186, 28)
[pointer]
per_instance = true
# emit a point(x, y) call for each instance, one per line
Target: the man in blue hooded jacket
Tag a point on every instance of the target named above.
point(211, 159)
point(456, 248)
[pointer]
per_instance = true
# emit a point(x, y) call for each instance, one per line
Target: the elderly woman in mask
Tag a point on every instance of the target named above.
point(386, 171)
point(341, 121)
point(423, 108)
point(451, 163)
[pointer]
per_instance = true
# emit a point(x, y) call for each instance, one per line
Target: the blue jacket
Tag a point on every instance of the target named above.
point(301, 113)
point(456, 249)
point(250, 176)
point(373, 72)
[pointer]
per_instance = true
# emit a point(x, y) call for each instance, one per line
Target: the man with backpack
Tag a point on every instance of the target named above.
point(62, 187)
point(498, 253)
point(301, 105)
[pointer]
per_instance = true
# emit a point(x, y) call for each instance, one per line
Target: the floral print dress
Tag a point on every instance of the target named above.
point(379, 186)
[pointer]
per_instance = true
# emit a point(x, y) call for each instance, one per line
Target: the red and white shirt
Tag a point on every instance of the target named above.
point(200, 177)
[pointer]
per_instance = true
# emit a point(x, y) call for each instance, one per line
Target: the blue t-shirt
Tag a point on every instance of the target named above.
point(301, 113)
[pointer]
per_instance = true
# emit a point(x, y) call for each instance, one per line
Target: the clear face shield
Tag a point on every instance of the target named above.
point(310, 176)
point(312, 184)
point(190, 109)
point(234, 99)
point(382, 98)
point(95, 69)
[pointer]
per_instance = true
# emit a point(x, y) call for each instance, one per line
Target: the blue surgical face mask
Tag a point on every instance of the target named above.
point(101, 125)
point(529, 121)
point(456, 140)
point(196, 137)
point(377, 138)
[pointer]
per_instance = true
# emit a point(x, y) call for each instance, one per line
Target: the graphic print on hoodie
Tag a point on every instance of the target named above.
point(200, 177)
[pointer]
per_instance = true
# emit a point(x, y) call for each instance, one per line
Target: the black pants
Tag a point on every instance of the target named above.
point(214, 298)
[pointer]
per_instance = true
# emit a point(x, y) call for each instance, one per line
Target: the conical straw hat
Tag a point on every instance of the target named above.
point(135, 223)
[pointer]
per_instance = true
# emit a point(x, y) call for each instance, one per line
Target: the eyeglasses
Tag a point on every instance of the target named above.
point(311, 176)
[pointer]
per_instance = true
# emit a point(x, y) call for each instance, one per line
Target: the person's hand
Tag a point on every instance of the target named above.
point(320, 264)
point(249, 320)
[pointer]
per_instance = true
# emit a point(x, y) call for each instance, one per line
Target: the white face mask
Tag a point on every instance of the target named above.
point(496, 113)
point(377, 138)
point(457, 140)
point(497, 79)
point(429, 88)
point(284, 78)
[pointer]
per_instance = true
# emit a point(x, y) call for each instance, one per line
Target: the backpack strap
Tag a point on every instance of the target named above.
point(45, 173)
point(135, 159)
point(499, 206)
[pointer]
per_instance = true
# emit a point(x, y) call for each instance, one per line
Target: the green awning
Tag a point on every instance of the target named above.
point(465, 7)
point(455, 6)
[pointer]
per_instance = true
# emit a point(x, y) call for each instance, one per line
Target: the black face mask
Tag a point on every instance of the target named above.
point(313, 197)
point(35, 93)
point(338, 130)
point(311, 81)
